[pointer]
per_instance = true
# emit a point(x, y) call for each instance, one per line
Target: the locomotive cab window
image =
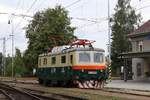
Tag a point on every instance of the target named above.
point(45, 61)
point(98, 57)
point(53, 60)
point(84, 57)
point(40, 62)
point(63, 59)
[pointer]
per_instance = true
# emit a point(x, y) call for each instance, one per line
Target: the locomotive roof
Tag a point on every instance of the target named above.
point(74, 49)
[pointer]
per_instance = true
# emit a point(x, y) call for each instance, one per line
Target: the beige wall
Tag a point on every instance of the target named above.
point(146, 45)
point(135, 61)
point(144, 68)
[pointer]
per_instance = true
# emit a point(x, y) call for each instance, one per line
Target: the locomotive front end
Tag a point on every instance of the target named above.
point(89, 70)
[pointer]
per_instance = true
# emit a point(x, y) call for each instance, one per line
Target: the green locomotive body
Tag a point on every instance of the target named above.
point(71, 65)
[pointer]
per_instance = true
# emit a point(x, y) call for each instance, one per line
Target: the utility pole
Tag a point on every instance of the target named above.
point(12, 48)
point(109, 43)
point(109, 34)
point(12, 35)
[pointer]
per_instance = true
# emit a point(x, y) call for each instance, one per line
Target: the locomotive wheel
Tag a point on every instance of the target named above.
point(40, 81)
point(61, 83)
point(69, 84)
point(45, 82)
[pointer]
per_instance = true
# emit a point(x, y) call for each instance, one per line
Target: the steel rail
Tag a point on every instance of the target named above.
point(54, 96)
point(6, 94)
point(36, 95)
point(17, 94)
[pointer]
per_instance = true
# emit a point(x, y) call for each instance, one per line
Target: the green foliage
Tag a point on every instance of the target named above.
point(8, 66)
point(114, 98)
point(124, 21)
point(19, 67)
point(48, 28)
point(1, 56)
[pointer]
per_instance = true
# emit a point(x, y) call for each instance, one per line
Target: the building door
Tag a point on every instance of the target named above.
point(139, 70)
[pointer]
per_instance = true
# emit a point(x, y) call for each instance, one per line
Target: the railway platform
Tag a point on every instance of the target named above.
point(140, 87)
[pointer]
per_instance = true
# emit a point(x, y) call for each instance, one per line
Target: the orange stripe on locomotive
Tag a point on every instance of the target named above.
point(89, 67)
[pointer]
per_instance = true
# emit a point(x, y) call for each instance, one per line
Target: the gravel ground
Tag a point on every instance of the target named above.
point(113, 87)
point(84, 93)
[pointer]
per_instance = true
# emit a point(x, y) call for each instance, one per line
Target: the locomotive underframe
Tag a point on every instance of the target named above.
point(68, 76)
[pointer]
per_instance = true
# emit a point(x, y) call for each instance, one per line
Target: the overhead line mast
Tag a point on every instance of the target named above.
point(109, 42)
point(109, 34)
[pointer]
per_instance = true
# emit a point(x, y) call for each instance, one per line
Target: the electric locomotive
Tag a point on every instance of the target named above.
point(79, 64)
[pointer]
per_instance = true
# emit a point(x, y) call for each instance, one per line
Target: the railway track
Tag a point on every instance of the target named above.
point(60, 92)
point(13, 93)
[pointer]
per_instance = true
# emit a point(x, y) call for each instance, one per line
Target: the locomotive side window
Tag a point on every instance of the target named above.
point(39, 62)
point(63, 59)
point(53, 60)
point(71, 59)
point(84, 57)
point(45, 61)
point(98, 57)
point(63, 70)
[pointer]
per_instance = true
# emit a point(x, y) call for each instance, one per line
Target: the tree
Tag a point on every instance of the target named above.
point(1, 57)
point(8, 65)
point(48, 28)
point(19, 67)
point(124, 21)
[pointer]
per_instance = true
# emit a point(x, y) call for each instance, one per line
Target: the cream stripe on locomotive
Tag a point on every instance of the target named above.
point(57, 62)
point(54, 60)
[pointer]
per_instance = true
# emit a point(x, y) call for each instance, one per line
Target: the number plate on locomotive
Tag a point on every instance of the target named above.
point(92, 72)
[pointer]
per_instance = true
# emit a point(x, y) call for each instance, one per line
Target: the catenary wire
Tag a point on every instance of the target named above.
point(72, 4)
point(26, 12)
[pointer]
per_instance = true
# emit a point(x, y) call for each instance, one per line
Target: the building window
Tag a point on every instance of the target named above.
point(63, 59)
point(140, 46)
point(71, 59)
point(53, 60)
point(45, 61)
point(84, 57)
point(139, 73)
point(98, 57)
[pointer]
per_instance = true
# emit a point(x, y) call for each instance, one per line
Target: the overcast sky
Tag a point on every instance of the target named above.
point(88, 9)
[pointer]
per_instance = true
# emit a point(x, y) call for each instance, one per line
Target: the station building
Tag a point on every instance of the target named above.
point(140, 54)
